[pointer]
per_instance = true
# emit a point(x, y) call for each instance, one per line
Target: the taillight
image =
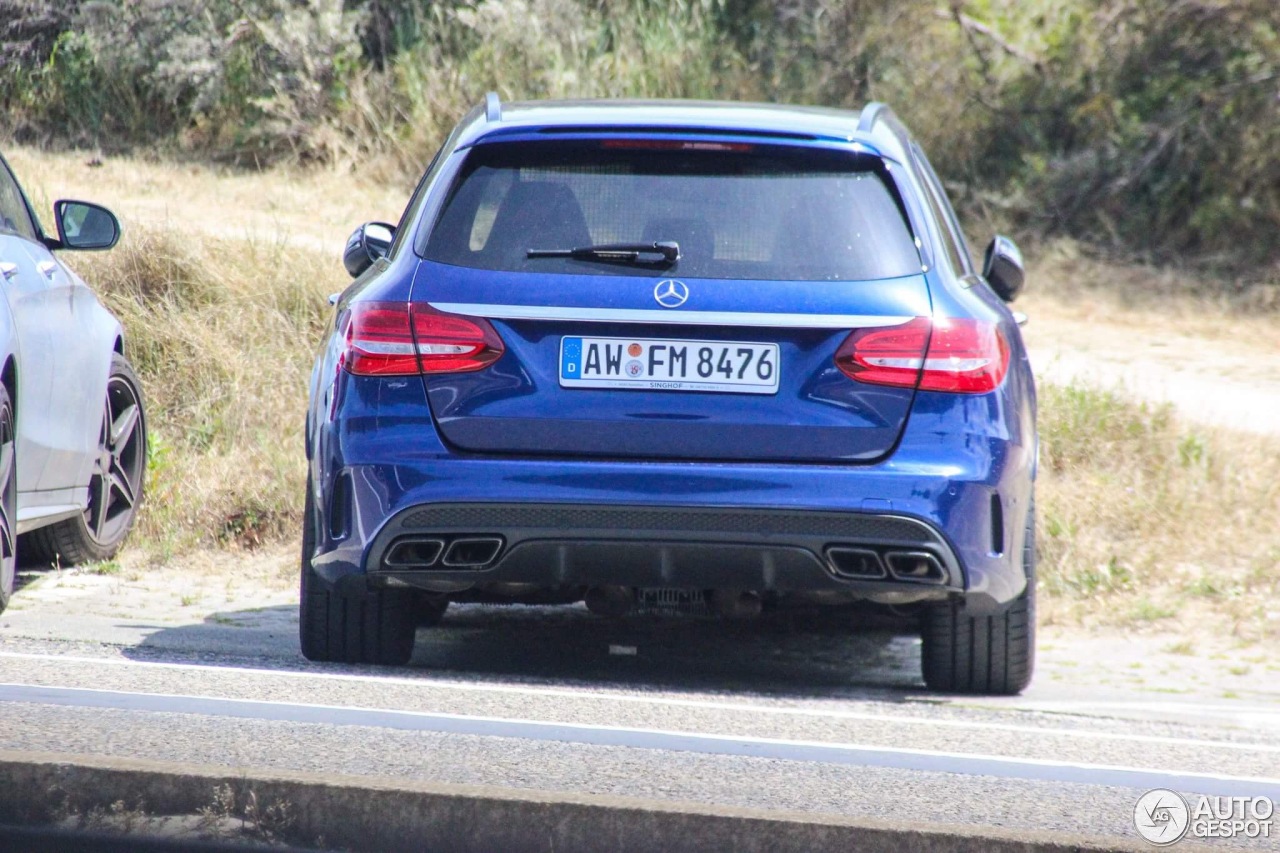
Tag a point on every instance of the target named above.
point(399, 339)
point(960, 355)
point(452, 343)
point(379, 340)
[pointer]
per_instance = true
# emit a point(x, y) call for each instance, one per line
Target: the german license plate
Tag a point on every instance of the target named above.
point(669, 365)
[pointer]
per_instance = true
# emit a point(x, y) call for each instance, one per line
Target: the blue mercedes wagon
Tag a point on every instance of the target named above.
point(630, 353)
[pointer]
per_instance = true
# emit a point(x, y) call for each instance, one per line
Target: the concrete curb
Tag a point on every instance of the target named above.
point(363, 814)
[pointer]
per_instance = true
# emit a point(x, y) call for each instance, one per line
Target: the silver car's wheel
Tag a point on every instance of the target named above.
point(8, 498)
point(115, 487)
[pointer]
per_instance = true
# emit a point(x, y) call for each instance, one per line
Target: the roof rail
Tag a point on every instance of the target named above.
point(877, 112)
point(492, 107)
point(870, 113)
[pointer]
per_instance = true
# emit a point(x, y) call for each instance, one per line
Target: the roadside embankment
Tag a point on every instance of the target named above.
point(361, 814)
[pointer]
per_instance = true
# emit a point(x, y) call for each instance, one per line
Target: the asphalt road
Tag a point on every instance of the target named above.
point(807, 711)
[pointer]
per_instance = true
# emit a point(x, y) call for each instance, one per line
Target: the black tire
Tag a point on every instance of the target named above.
point(430, 610)
point(8, 499)
point(350, 626)
point(992, 654)
point(115, 489)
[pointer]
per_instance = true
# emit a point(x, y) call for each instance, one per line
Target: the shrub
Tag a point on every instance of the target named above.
point(1146, 127)
point(1152, 126)
point(249, 81)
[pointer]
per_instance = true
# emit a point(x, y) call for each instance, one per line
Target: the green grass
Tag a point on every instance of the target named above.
point(106, 567)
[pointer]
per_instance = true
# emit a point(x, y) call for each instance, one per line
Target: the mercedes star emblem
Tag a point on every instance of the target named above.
point(671, 293)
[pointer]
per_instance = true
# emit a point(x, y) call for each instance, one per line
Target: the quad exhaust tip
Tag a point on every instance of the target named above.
point(918, 566)
point(465, 552)
point(867, 564)
point(472, 552)
point(859, 563)
point(413, 553)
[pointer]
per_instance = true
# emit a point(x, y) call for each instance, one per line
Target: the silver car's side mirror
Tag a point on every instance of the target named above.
point(83, 225)
point(367, 244)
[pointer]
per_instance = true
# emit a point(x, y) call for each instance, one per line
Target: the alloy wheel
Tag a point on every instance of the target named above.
point(117, 473)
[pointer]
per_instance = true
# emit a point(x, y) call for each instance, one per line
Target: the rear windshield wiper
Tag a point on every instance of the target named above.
point(661, 252)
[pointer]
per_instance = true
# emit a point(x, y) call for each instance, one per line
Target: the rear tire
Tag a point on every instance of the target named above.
point(350, 626)
point(992, 654)
point(430, 610)
point(115, 489)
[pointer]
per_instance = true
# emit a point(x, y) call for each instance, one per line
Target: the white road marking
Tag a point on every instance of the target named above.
point(923, 760)
point(698, 704)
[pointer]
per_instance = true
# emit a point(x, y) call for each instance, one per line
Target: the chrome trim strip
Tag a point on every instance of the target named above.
point(682, 318)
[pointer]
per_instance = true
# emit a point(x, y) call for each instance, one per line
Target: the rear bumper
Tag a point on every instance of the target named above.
point(748, 527)
point(958, 487)
point(455, 547)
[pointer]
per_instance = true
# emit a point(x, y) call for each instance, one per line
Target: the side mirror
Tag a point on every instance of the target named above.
point(1003, 269)
point(366, 244)
point(82, 225)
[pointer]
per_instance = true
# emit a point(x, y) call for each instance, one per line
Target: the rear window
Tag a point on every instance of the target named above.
point(746, 212)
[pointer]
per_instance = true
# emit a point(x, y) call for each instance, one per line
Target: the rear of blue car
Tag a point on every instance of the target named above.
point(671, 353)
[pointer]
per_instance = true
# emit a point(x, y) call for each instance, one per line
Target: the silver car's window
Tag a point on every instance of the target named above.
point(14, 217)
point(743, 212)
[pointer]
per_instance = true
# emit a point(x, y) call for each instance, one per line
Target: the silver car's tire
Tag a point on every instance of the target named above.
point(8, 499)
point(115, 489)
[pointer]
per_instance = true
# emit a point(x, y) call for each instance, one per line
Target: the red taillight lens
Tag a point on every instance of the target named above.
point(963, 355)
point(379, 340)
point(452, 343)
point(886, 356)
point(398, 339)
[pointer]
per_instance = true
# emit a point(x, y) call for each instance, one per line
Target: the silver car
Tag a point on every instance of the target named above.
point(73, 435)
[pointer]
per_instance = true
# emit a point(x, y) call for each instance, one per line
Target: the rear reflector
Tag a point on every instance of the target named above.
point(960, 355)
point(399, 339)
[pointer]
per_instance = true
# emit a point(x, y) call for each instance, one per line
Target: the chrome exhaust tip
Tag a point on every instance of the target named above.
point(855, 563)
point(472, 552)
point(413, 553)
point(917, 566)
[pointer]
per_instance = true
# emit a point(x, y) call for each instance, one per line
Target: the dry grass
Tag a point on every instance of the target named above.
point(1068, 271)
point(221, 283)
point(223, 333)
point(1144, 519)
point(316, 208)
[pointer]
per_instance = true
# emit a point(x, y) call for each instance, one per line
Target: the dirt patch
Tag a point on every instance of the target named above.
point(1212, 369)
point(183, 591)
